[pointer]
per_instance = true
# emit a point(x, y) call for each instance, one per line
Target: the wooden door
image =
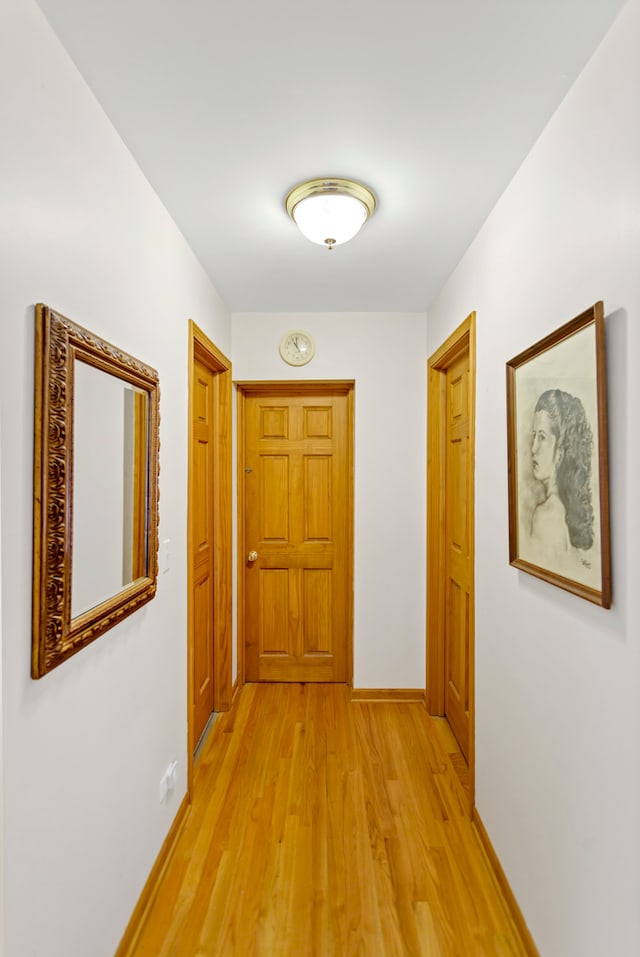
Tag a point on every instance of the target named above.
point(458, 558)
point(209, 536)
point(450, 540)
point(202, 545)
point(297, 518)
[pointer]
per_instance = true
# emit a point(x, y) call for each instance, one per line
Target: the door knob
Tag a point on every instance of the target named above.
point(252, 556)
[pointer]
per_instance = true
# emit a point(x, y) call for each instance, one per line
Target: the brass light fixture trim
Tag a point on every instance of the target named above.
point(332, 186)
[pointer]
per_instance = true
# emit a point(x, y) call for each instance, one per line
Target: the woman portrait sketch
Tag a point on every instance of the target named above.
point(561, 449)
point(558, 485)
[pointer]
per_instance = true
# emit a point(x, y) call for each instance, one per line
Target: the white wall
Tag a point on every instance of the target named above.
point(385, 354)
point(558, 679)
point(84, 747)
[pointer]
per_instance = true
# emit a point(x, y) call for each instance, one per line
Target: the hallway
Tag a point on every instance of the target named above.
point(328, 828)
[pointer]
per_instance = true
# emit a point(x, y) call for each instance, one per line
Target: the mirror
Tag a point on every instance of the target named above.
point(95, 488)
point(109, 447)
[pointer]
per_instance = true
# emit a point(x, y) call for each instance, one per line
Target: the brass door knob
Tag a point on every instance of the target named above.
point(252, 556)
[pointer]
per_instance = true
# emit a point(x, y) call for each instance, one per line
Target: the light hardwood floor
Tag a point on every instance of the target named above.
point(326, 828)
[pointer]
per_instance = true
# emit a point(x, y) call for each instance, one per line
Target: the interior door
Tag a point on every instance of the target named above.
point(459, 568)
point(202, 557)
point(297, 578)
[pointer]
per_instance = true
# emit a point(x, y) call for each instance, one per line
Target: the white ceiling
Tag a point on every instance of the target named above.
point(226, 104)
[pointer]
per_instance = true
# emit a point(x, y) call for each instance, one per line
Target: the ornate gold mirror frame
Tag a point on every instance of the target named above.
point(58, 633)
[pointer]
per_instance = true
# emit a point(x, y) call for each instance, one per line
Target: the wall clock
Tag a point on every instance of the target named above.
point(297, 347)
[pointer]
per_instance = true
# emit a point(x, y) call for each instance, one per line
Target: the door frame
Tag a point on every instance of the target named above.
point(201, 348)
point(462, 338)
point(293, 387)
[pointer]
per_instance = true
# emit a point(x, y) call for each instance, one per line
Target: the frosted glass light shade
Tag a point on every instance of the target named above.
point(330, 211)
point(330, 220)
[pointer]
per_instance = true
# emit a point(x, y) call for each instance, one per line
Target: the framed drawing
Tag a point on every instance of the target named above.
point(558, 463)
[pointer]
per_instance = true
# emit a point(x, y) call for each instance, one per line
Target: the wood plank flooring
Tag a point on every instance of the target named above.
point(326, 828)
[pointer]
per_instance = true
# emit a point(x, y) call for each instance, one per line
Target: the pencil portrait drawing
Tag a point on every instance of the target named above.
point(558, 481)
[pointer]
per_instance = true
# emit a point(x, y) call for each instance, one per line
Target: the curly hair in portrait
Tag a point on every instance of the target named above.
point(573, 473)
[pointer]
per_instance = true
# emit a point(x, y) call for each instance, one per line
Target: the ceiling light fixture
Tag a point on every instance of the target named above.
point(330, 211)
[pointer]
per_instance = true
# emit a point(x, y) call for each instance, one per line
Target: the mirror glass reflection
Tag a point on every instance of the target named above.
point(110, 476)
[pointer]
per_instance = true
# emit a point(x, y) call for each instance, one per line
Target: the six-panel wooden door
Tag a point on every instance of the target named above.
point(297, 512)
point(459, 567)
point(202, 557)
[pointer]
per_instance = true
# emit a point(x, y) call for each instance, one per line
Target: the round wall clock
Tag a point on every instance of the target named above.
point(297, 347)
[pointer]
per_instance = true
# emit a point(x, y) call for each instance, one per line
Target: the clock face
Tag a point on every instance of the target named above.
point(297, 347)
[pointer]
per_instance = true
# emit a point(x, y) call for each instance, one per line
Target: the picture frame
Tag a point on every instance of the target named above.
point(558, 459)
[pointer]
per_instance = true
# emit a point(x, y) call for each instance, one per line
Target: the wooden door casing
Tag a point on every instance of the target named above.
point(297, 515)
